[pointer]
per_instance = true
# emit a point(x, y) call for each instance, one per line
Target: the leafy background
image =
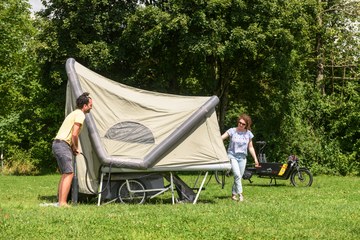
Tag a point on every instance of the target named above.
point(292, 65)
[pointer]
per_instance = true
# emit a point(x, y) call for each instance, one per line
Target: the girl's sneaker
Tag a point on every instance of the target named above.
point(241, 198)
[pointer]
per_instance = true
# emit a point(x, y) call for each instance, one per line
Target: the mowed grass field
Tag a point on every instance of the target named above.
point(329, 209)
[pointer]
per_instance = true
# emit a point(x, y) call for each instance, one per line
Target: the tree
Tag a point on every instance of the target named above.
point(19, 85)
point(252, 49)
point(258, 56)
point(337, 43)
point(337, 55)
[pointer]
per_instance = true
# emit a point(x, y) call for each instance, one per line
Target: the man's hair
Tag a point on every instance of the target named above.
point(82, 100)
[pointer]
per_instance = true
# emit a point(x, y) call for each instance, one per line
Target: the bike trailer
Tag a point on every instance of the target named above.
point(269, 169)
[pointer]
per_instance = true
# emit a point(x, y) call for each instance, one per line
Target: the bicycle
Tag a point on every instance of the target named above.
point(299, 176)
point(261, 155)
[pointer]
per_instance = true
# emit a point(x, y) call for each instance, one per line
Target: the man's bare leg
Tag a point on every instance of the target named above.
point(64, 188)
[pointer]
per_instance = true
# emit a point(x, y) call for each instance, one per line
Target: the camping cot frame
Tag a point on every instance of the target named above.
point(121, 165)
point(154, 191)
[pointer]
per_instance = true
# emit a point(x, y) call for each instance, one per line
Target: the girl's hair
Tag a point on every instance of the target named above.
point(247, 119)
point(82, 100)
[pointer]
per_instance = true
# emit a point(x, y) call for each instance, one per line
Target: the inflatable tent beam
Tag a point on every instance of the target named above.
point(153, 157)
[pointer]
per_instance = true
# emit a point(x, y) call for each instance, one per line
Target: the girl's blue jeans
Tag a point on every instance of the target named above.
point(238, 165)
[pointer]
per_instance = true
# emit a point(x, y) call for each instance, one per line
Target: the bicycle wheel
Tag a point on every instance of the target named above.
point(220, 178)
point(301, 178)
point(129, 197)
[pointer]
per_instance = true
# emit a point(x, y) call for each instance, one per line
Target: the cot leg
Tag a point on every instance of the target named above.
point(172, 188)
point(100, 188)
point(201, 186)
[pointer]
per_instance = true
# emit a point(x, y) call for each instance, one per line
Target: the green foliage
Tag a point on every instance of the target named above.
point(340, 115)
point(19, 86)
point(233, 114)
point(42, 150)
point(266, 58)
point(322, 130)
point(85, 30)
point(20, 163)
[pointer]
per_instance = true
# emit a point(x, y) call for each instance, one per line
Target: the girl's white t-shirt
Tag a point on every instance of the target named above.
point(239, 141)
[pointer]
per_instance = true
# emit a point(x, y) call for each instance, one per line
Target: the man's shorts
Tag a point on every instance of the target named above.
point(64, 155)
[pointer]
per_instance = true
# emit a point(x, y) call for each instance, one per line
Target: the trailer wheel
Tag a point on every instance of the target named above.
point(132, 195)
point(220, 178)
point(301, 178)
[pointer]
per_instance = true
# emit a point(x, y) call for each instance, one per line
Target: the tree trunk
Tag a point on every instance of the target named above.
point(319, 80)
point(222, 92)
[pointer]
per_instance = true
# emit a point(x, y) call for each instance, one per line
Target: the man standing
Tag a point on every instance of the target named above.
point(65, 144)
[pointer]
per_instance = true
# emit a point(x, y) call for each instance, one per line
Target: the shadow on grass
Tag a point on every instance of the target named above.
point(267, 185)
point(86, 199)
point(169, 201)
point(262, 184)
point(224, 197)
point(92, 200)
point(51, 198)
point(153, 201)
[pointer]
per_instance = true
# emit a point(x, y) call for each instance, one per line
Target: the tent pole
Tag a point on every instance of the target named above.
point(75, 185)
point(172, 188)
point(100, 188)
point(202, 184)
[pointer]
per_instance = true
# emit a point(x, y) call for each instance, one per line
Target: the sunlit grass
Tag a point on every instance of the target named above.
point(329, 209)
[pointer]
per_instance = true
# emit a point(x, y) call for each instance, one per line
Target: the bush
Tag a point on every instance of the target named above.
point(42, 150)
point(20, 163)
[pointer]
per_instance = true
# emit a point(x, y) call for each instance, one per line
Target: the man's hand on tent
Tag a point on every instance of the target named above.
point(75, 150)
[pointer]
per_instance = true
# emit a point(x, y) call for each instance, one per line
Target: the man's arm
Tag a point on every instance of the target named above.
point(75, 138)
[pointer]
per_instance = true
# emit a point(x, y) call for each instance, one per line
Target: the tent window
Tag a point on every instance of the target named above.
point(131, 132)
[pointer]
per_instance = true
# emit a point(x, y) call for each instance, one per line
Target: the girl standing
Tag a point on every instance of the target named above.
point(239, 145)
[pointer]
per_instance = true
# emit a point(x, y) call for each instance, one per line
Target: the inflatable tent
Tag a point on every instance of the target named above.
point(133, 138)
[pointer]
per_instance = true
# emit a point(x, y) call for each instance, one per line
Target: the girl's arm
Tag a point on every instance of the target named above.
point(253, 154)
point(225, 136)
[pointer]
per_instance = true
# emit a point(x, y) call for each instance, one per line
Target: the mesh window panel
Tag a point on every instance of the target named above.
point(131, 132)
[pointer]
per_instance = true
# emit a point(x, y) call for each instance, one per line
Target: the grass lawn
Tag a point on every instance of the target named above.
point(329, 209)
